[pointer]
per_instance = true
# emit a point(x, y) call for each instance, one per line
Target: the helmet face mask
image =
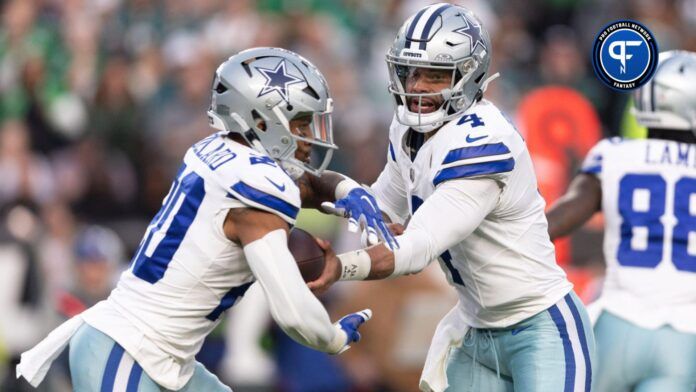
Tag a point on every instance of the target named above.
point(314, 131)
point(668, 101)
point(439, 37)
point(452, 97)
point(258, 93)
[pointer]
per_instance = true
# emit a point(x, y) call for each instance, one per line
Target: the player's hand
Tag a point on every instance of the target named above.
point(350, 324)
point(362, 212)
point(396, 228)
point(332, 269)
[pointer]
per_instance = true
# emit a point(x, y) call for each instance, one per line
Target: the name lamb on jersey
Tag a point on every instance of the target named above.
point(680, 154)
point(213, 152)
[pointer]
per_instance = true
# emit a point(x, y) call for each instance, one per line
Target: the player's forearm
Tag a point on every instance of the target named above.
point(292, 305)
point(306, 322)
point(416, 251)
point(564, 218)
point(381, 262)
point(316, 190)
point(446, 218)
point(576, 207)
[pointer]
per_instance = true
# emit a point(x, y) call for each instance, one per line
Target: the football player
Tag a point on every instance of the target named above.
point(461, 175)
point(646, 188)
point(222, 226)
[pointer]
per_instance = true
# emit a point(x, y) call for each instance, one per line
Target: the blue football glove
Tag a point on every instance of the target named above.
point(362, 211)
point(350, 324)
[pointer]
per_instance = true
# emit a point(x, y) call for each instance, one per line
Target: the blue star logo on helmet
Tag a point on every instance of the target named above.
point(473, 31)
point(278, 80)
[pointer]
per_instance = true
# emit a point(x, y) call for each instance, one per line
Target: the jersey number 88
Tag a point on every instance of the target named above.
point(651, 256)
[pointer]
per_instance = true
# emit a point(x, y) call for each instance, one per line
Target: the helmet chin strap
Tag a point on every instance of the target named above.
point(488, 80)
point(420, 122)
point(428, 122)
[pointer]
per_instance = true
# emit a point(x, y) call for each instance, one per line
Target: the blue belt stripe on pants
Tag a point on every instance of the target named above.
point(583, 342)
point(134, 378)
point(112, 363)
point(117, 367)
point(567, 349)
point(576, 352)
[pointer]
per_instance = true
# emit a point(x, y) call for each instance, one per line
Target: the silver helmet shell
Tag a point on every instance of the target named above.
point(668, 101)
point(446, 37)
point(257, 92)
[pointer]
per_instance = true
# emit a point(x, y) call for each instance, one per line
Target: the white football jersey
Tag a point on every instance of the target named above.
point(505, 271)
point(186, 273)
point(649, 204)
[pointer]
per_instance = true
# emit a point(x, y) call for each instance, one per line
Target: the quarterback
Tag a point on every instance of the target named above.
point(646, 327)
point(460, 176)
point(222, 227)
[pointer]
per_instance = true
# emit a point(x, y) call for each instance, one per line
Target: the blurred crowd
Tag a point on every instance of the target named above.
point(99, 99)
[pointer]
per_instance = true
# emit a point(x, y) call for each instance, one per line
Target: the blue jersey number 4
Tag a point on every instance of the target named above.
point(471, 118)
point(649, 218)
point(445, 256)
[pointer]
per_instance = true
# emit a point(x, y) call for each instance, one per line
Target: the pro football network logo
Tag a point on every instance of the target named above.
point(624, 55)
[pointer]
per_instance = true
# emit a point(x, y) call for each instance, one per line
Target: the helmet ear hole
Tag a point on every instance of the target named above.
point(311, 92)
point(259, 122)
point(220, 88)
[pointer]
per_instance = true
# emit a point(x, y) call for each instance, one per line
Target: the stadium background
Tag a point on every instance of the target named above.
point(99, 100)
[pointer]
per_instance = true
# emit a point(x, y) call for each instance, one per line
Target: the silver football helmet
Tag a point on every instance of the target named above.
point(444, 37)
point(259, 91)
point(668, 101)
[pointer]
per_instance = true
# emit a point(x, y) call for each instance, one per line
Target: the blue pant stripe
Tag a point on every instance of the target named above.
point(134, 378)
point(109, 376)
point(583, 341)
point(557, 318)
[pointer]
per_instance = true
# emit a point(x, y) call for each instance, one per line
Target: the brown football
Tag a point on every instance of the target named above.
point(307, 253)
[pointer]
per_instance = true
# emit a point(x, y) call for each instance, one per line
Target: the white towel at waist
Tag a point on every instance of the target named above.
point(449, 333)
point(34, 364)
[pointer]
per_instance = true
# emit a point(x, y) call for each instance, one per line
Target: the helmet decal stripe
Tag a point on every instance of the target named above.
point(429, 24)
point(419, 25)
point(652, 95)
point(645, 98)
point(412, 27)
point(651, 85)
point(639, 99)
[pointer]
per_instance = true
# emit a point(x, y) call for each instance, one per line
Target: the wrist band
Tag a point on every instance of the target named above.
point(344, 187)
point(355, 265)
point(339, 343)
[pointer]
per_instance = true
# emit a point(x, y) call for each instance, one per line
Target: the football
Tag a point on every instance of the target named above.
point(307, 253)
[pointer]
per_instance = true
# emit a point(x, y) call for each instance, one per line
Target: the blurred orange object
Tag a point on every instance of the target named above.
point(560, 126)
